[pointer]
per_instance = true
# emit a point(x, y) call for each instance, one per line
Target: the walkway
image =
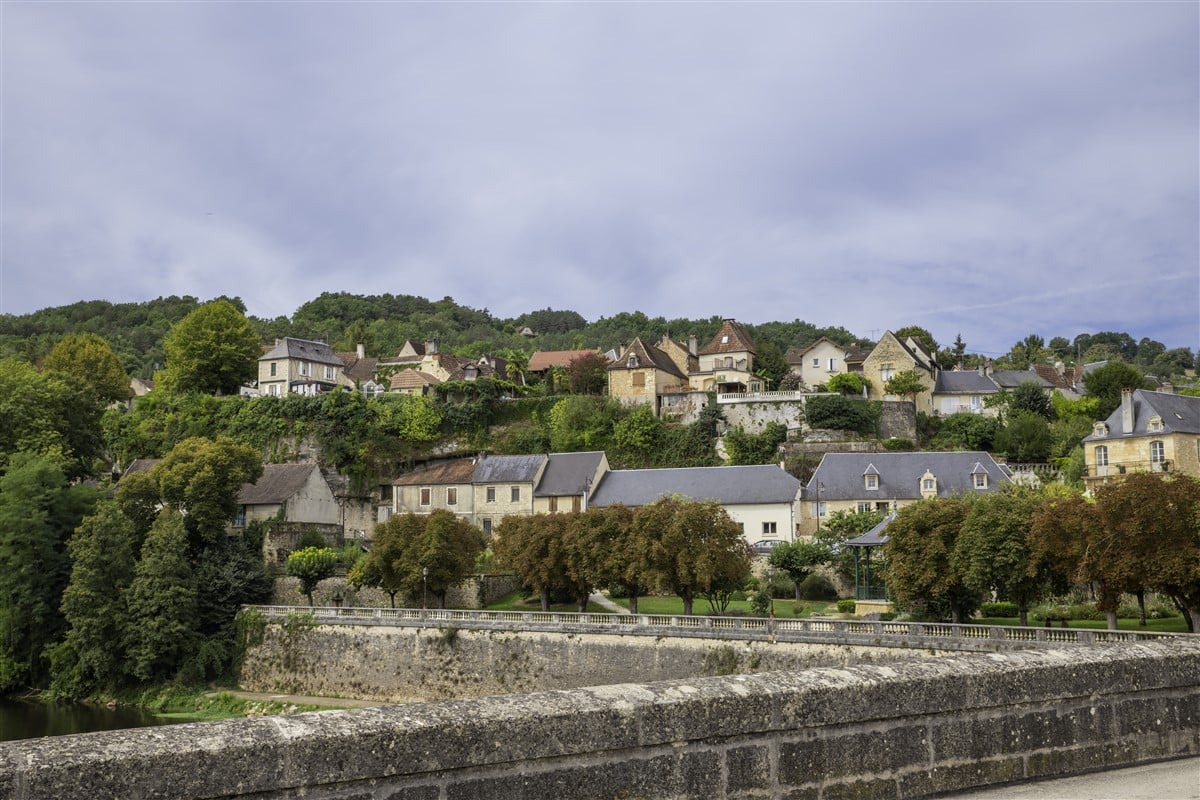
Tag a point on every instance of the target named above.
point(1167, 780)
point(603, 601)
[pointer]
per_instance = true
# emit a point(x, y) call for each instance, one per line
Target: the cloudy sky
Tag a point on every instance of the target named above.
point(994, 169)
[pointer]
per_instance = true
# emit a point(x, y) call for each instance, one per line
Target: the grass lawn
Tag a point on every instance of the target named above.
point(516, 601)
point(670, 605)
point(1165, 625)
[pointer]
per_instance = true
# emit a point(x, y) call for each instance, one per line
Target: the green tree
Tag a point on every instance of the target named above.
point(213, 350)
point(1106, 384)
point(604, 549)
point(1026, 437)
point(698, 547)
point(587, 373)
point(447, 549)
point(160, 626)
point(907, 383)
point(993, 552)
point(750, 448)
point(93, 603)
point(840, 526)
point(533, 547)
point(518, 364)
point(1030, 396)
point(770, 363)
point(38, 511)
point(800, 559)
point(47, 414)
point(848, 383)
point(202, 478)
point(582, 423)
point(638, 438)
point(920, 573)
point(387, 566)
point(963, 430)
point(88, 358)
point(312, 565)
point(919, 334)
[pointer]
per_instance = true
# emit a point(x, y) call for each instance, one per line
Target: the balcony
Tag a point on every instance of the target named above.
point(1114, 470)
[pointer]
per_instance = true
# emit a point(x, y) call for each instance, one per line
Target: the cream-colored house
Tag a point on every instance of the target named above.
point(885, 482)
point(568, 480)
point(1149, 432)
point(482, 490)
point(290, 492)
point(445, 486)
point(762, 499)
point(889, 358)
point(726, 364)
point(300, 366)
point(642, 374)
point(818, 362)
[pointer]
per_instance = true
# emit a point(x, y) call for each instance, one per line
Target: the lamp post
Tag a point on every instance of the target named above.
point(424, 587)
point(818, 509)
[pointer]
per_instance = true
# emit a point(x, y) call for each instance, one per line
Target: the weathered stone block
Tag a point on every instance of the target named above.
point(748, 768)
point(953, 777)
point(832, 754)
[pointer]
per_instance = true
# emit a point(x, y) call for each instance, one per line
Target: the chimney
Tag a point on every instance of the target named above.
point(692, 345)
point(1127, 411)
point(431, 347)
point(361, 349)
point(1060, 368)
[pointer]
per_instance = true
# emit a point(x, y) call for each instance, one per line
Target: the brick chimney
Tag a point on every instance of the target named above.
point(1127, 411)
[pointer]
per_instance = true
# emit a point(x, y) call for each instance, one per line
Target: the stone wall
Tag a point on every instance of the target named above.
point(406, 664)
point(907, 729)
point(475, 592)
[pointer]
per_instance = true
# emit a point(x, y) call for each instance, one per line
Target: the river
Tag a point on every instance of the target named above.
point(21, 719)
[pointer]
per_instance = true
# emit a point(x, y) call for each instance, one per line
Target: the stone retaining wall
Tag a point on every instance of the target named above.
point(872, 731)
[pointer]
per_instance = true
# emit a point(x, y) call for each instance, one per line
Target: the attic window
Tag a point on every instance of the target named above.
point(872, 481)
point(928, 484)
point(725, 339)
point(1155, 425)
point(633, 362)
point(980, 480)
point(1100, 429)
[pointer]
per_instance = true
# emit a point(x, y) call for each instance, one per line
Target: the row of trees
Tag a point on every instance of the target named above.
point(689, 548)
point(944, 556)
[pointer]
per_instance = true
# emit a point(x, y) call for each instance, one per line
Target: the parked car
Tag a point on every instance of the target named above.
point(763, 547)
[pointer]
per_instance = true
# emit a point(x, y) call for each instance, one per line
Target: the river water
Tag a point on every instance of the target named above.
point(26, 720)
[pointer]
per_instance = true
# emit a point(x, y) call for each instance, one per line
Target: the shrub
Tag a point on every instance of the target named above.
point(846, 606)
point(1002, 609)
point(817, 587)
point(898, 443)
point(760, 603)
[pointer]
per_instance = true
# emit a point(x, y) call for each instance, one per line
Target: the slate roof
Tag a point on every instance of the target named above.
point(874, 537)
point(457, 471)
point(736, 340)
point(857, 355)
point(1180, 413)
point(840, 475)
point(303, 349)
point(743, 485)
point(568, 474)
point(508, 469)
point(964, 382)
point(359, 370)
point(278, 483)
point(647, 355)
point(1012, 378)
point(542, 360)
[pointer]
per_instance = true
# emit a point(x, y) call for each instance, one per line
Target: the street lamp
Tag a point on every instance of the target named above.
point(818, 509)
point(424, 587)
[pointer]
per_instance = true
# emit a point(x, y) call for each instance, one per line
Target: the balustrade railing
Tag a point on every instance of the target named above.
point(775, 629)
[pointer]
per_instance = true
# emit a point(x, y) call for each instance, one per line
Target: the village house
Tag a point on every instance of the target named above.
point(643, 374)
point(300, 366)
point(889, 358)
point(1149, 432)
point(819, 362)
point(568, 480)
point(726, 364)
point(482, 490)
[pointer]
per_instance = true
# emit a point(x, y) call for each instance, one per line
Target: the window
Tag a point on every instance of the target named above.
point(274, 368)
point(887, 372)
point(451, 496)
point(1156, 452)
point(863, 507)
point(832, 364)
point(1102, 456)
point(239, 520)
point(728, 362)
point(553, 504)
point(1155, 425)
point(487, 527)
point(274, 390)
point(816, 362)
point(633, 362)
point(872, 481)
point(769, 529)
point(491, 494)
point(980, 480)
point(819, 508)
point(516, 494)
point(637, 379)
point(928, 485)
point(976, 402)
point(725, 339)
point(328, 373)
point(303, 367)
point(425, 492)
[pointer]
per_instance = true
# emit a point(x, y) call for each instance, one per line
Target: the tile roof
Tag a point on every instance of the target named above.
point(287, 347)
point(731, 338)
point(544, 359)
point(358, 369)
point(460, 470)
point(568, 474)
point(840, 475)
point(647, 355)
point(764, 483)
point(278, 483)
point(411, 379)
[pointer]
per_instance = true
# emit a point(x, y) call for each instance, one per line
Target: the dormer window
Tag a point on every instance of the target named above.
point(633, 362)
point(1100, 429)
point(871, 478)
point(1155, 425)
point(980, 480)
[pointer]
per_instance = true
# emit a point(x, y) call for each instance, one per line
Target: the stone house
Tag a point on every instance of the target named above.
point(818, 362)
point(445, 486)
point(541, 361)
point(886, 482)
point(412, 373)
point(482, 490)
point(889, 358)
point(642, 374)
point(1149, 432)
point(762, 499)
point(726, 364)
point(300, 366)
point(290, 493)
point(568, 481)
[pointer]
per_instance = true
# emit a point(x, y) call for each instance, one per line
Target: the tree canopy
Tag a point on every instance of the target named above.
point(213, 350)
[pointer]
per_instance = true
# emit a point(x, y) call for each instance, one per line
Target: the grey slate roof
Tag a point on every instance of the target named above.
point(508, 469)
point(568, 474)
point(317, 352)
point(963, 382)
point(727, 485)
point(840, 475)
point(277, 484)
point(1012, 378)
point(874, 537)
point(1180, 414)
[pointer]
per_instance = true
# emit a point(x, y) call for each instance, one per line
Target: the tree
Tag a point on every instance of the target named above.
point(1030, 396)
point(533, 547)
point(202, 478)
point(88, 358)
point(213, 350)
point(638, 438)
point(1027, 351)
point(770, 363)
point(920, 574)
point(518, 364)
point(750, 448)
point(993, 552)
point(1026, 437)
point(919, 334)
point(799, 559)
point(698, 547)
point(587, 373)
point(906, 384)
point(848, 383)
point(93, 603)
point(1106, 384)
point(446, 552)
point(580, 423)
point(387, 566)
point(963, 430)
point(312, 565)
point(603, 549)
point(47, 414)
point(38, 511)
point(840, 526)
point(160, 627)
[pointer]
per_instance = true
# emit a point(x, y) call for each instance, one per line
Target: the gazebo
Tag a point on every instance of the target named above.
point(869, 596)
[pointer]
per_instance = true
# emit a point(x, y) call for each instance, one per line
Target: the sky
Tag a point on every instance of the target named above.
point(985, 169)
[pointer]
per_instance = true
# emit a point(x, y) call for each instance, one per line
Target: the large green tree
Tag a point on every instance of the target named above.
point(386, 566)
point(906, 384)
point(1106, 384)
point(800, 559)
point(213, 350)
point(698, 547)
point(446, 552)
point(920, 572)
point(48, 414)
point(534, 548)
point(160, 628)
point(88, 358)
point(202, 477)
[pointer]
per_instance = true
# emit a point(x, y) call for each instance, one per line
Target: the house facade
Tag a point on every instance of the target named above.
point(1149, 432)
point(568, 480)
point(762, 499)
point(642, 374)
point(726, 364)
point(889, 358)
point(818, 362)
point(886, 482)
point(445, 487)
point(300, 366)
point(503, 486)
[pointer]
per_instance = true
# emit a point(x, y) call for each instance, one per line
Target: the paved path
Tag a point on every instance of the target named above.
point(602, 600)
point(1166, 780)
